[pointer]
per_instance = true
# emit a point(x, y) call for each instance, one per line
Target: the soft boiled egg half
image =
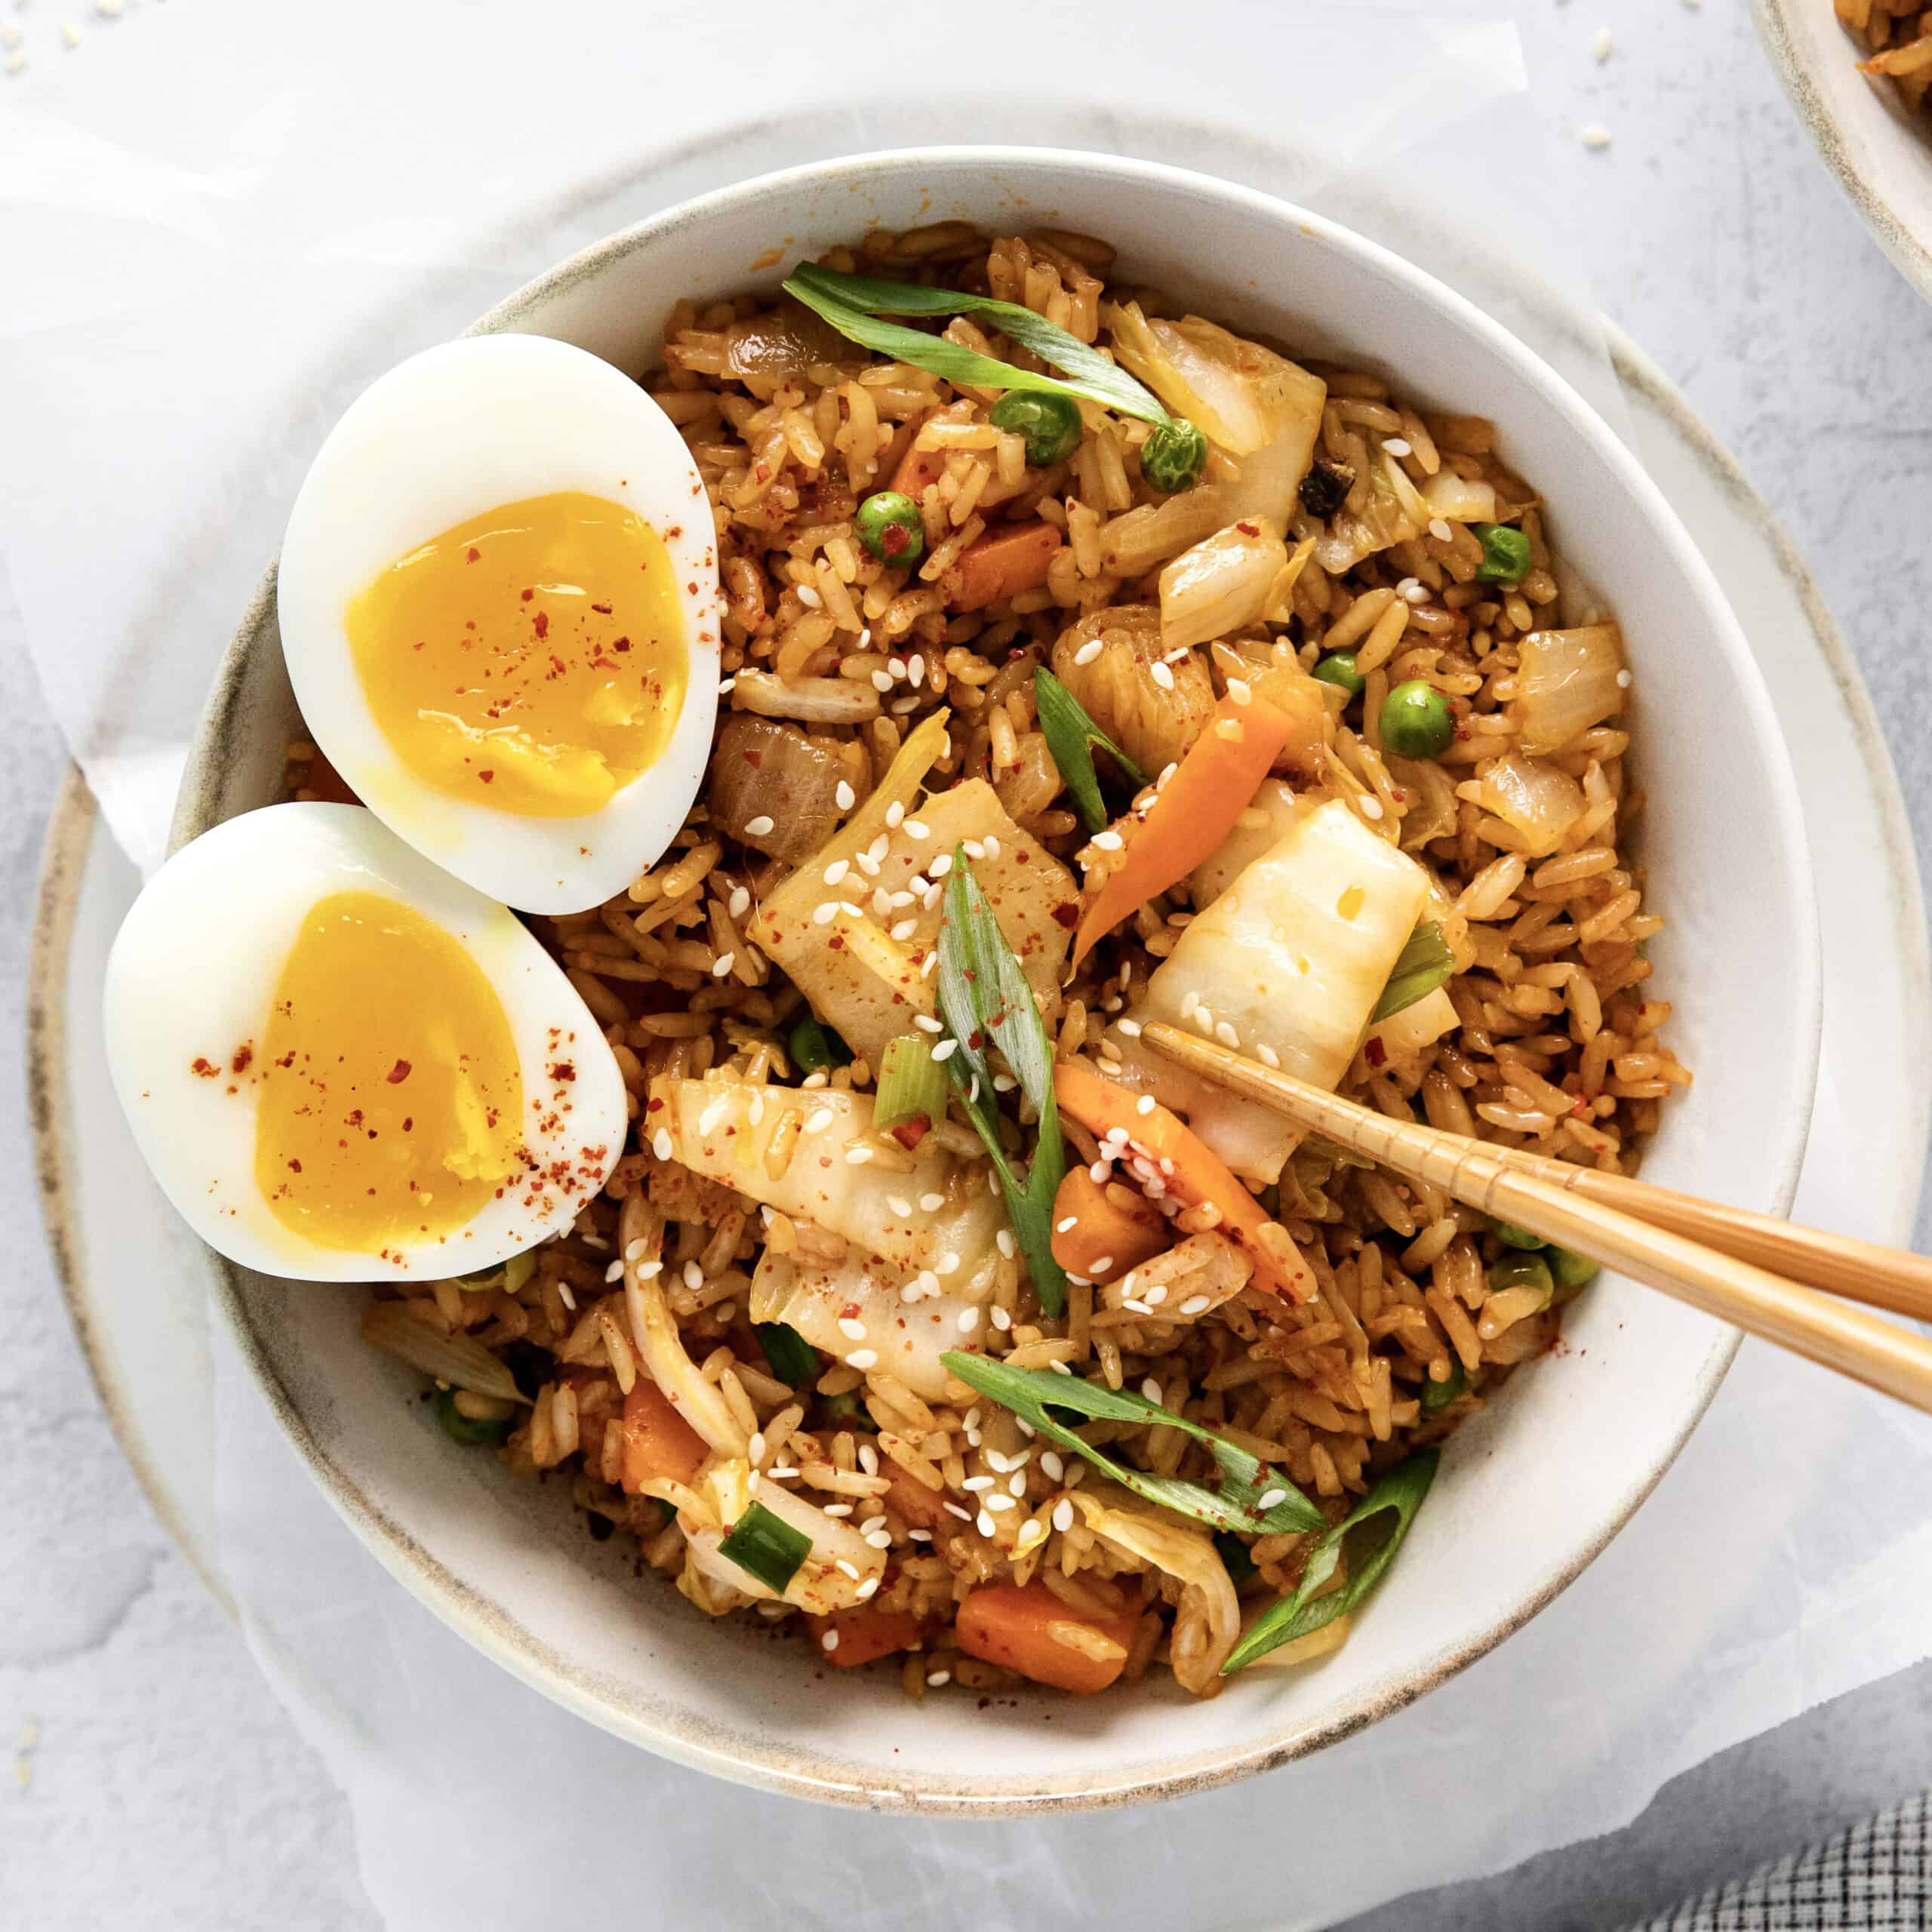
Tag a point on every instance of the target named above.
point(500, 608)
point(342, 1064)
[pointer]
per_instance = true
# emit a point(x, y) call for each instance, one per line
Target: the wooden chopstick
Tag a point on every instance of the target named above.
point(1757, 1273)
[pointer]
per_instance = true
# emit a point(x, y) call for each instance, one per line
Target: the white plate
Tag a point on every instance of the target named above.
point(1880, 152)
point(134, 1290)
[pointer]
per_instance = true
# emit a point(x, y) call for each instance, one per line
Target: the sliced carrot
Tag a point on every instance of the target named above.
point(918, 468)
point(658, 1441)
point(864, 1634)
point(1191, 814)
point(1024, 1626)
point(1000, 565)
point(919, 1507)
point(1198, 1176)
point(1114, 1229)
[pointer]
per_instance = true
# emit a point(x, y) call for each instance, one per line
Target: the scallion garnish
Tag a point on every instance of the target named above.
point(1071, 736)
point(1400, 1494)
point(912, 1084)
point(1043, 1398)
point(793, 1359)
point(767, 1547)
point(853, 303)
point(1424, 963)
point(984, 1000)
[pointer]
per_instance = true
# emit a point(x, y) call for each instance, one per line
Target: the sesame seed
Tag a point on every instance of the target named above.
point(941, 865)
point(635, 1250)
point(1131, 1028)
point(931, 960)
point(975, 1484)
point(932, 1203)
point(917, 829)
point(722, 964)
point(1103, 1264)
point(985, 1525)
point(1145, 1105)
point(1397, 445)
point(1156, 1294)
point(726, 686)
point(1196, 1305)
point(1226, 1034)
point(915, 669)
point(903, 930)
point(937, 1678)
point(836, 872)
point(1439, 529)
point(817, 1121)
point(1098, 1173)
point(947, 1264)
point(881, 680)
point(969, 1320)
point(1594, 136)
point(1063, 1515)
point(848, 1569)
point(837, 1509)
point(927, 1023)
point(867, 1588)
point(973, 848)
point(1623, 681)
point(649, 1271)
point(1015, 1484)
point(1269, 1498)
point(615, 1272)
point(755, 1448)
point(857, 1157)
point(1088, 652)
point(1063, 1227)
point(863, 1358)
point(965, 1516)
point(1001, 1320)
point(992, 846)
point(1003, 1083)
point(1267, 1056)
point(881, 902)
point(896, 665)
point(756, 1112)
point(898, 1203)
point(944, 1051)
point(851, 1327)
point(824, 912)
point(1161, 676)
point(713, 1116)
point(895, 816)
point(830, 1642)
point(1371, 808)
point(694, 1275)
point(920, 1536)
point(1001, 1503)
point(1003, 1240)
point(739, 903)
point(1240, 690)
point(660, 1144)
point(1059, 1367)
point(1109, 842)
point(756, 828)
point(845, 797)
point(1151, 1389)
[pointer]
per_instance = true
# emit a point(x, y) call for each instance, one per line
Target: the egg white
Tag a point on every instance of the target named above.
point(193, 972)
point(445, 436)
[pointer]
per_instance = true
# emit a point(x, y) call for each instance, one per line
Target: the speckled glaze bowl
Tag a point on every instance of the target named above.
point(1531, 1490)
point(1879, 151)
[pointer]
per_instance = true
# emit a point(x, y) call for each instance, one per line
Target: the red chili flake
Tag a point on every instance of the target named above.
point(487, 777)
point(408, 1122)
point(244, 1053)
point(620, 644)
point(909, 1133)
point(602, 609)
point(1067, 914)
point(1249, 529)
point(398, 1073)
point(894, 538)
point(528, 594)
point(295, 1167)
point(652, 1106)
point(676, 531)
point(474, 553)
point(850, 1312)
point(205, 1067)
point(1375, 1053)
point(563, 1070)
point(542, 623)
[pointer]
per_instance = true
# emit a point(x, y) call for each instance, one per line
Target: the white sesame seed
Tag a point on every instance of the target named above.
point(867, 1588)
point(1131, 1028)
point(881, 680)
point(1145, 1105)
point(965, 1516)
point(1103, 1264)
point(917, 829)
point(809, 597)
point(969, 1320)
point(903, 930)
point(756, 828)
point(973, 848)
point(1001, 1320)
point(635, 1250)
point(837, 1509)
point(881, 902)
point(848, 1569)
point(985, 1524)
point(857, 1157)
point(845, 797)
point(830, 1642)
point(1059, 1367)
point(1196, 1304)
point(1269, 1498)
point(1226, 1034)
point(1438, 528)
point(739, 903)
point(713, 1116)
point(661, 1143)
point(932, 1203)
point(920, 1536)
point(722, 964)
point(1088, 652)
point(898, 1203)
point(824, 912)
point(818, 1120)
point(1151, 1388)
point(1397, 445)
point(1267, 1056)
point(895, 816)
point(756, 1448)
point(726, 686)
point(930, 963)
point(1623, 681)
point(1594, 136)
point(900, 900)
point(1109, 841)
point(915, 669)
point(927, 1023)
point(649, 1271)
point(896, 665)
point(944, 1051)
point(947, 1264)
point(999, 1503)
point(1240, 690)
point(976, 1483)
point(1156, 1294)
point(1003, 1240)
point(941, 865)
point(851, 1327)
point(1015, 1484)
point(863, 1358)
point(1161, 676)
point(694, 1275)
point(615, 1272)
point(937, 1678)
point(835, 873)
point(1371, 808)
point(1003, 1083)
point(1063, 1515)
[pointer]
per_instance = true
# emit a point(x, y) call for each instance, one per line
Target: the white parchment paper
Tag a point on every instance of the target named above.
point(216, 234)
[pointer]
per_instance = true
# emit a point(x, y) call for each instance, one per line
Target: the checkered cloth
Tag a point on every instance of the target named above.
point(1876, 1877)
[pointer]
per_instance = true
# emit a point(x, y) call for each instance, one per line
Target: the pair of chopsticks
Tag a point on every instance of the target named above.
point(1760, 1274)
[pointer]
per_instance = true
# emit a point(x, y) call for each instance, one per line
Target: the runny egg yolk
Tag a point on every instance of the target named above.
point(391, 1106)
point(534, 659)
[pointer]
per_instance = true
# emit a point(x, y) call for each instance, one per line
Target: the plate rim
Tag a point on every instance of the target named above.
point(71, 828)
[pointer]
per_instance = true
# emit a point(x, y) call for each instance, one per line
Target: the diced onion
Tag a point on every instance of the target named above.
point(1536, 801)
point(1460, 499)
point(1221, 584)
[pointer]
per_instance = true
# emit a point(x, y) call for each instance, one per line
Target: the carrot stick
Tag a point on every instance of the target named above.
point(1198, 1177)
point(1022, 1627)
point(921, 1508)
point(1109, 1234)
point(864, 1634)
point(1001, 565)
point(1191, 814)
point(658, 1441)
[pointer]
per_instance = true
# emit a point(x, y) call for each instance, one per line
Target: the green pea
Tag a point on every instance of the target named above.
point(813, 1047)
point(1173, 456)
point(1049, 423)
point(469, 1430)
point(1437, 1396)
point(1572, 1271)
point(1234, 1557)
point(891, 527)
point(1416, 721)
point(1338, 668)
point(1522, 1271)
point(1513, 1236)
point(1505, 553)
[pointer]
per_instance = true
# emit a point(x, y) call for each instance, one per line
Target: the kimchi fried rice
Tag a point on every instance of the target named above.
point(770, 1311)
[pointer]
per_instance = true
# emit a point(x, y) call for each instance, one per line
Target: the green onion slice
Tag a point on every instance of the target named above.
point(1398, 1495)
point(984, 1000)
point(793, 1359)
point(853, 303)
point(767, 1547)
point(1424, 963)
point(812, 1047)
point(1042, 1397)
point(1071, 736)
point(912, 1084)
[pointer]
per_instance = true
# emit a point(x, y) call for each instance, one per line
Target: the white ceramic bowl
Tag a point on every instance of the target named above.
point(1880, 152)
point(1528, 1492)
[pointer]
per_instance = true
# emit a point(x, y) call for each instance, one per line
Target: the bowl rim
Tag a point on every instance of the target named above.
point(676, 1732)
point(1910, 249)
